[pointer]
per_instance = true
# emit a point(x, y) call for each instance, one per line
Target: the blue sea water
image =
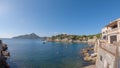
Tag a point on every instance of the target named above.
point(29, 53)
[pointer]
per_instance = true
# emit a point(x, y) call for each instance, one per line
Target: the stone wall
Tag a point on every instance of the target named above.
point(105, 59)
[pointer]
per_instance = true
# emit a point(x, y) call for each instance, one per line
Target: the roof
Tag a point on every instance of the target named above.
point(113, 22)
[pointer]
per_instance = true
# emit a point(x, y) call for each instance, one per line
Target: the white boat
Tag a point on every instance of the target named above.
point(44, 41)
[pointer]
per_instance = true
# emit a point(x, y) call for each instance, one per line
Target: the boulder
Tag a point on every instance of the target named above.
point(4, 54)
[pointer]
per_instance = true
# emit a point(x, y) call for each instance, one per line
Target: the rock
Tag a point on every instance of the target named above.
point(93, 60)
point(5, 47)
point(94, 55)
point(4, 54)
point(90, 66)
point(84, 51)
point(92, 48)
point(88, 57)
point(86, 54)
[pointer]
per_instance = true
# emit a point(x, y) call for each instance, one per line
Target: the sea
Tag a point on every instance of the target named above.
point(33, 53)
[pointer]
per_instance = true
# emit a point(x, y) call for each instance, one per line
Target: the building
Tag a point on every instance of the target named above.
point(112, 32)
point(109, 46)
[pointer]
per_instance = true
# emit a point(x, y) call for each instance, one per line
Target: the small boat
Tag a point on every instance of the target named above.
point(44, 42)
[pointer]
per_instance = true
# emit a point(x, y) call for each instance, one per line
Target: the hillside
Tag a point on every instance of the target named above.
point(66, 37)
point(28, 36)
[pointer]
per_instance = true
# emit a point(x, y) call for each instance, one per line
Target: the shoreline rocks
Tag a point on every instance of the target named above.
point(90, 66)
point(89, 55)
point(4, 54)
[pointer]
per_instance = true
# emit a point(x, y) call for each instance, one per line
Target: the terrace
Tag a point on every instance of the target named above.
point(110, 48)
point(113, 49)
point(113, 27)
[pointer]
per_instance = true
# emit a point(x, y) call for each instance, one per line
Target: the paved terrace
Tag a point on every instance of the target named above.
point(110, 48)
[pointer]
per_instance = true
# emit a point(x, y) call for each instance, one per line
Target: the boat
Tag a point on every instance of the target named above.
point(44, 42)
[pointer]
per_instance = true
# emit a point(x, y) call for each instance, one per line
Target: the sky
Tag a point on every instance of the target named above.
point(50, 17)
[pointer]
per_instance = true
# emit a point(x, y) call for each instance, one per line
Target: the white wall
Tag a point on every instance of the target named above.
point(107, 58)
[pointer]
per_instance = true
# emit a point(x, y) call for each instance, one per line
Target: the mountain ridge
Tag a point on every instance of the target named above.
point(27, 36)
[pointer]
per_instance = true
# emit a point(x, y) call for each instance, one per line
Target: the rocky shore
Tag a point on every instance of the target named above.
point(66, 41)
point(4, 54)
point(90, 66)
point(90, 54)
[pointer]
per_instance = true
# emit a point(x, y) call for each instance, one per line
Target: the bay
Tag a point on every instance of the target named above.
point(32, 53)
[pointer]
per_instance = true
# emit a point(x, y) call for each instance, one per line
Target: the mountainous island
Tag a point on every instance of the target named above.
point(28, 36)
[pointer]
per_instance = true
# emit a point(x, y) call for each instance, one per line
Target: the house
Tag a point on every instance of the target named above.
point(112, 32)
point(109, 46)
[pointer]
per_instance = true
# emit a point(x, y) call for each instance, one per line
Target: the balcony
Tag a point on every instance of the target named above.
point(110, 48)
point(115, 30)
point(112, 31)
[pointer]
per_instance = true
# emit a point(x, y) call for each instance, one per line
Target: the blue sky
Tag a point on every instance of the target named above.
point(49, 17)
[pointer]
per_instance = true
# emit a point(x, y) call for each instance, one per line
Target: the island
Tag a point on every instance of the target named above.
point(28, 36)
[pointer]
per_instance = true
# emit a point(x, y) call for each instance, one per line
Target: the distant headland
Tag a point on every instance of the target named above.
point(27, 36)
point(61, 37)
point(73, 38)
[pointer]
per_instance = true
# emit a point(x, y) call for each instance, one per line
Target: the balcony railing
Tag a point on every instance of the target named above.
point(112, 31)
point(107, 47)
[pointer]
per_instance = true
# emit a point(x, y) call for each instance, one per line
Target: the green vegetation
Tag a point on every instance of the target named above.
point(75, 37)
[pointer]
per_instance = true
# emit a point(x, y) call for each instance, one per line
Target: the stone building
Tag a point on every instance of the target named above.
point(109, 46)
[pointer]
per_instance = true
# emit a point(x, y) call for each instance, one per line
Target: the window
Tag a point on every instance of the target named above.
point(101, 58)
point(115, 26)
point(113, 39)
point(105, 37)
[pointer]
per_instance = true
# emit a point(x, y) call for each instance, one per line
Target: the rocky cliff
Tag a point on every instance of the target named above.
point(4, 54)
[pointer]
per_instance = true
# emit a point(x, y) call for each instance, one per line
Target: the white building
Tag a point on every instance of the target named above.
point(109, 46)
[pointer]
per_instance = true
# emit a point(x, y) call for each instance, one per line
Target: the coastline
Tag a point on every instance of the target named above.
point(68, 41)
point(4, 55)
point(89, 56)
point(89, 53)
point(69, 55)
